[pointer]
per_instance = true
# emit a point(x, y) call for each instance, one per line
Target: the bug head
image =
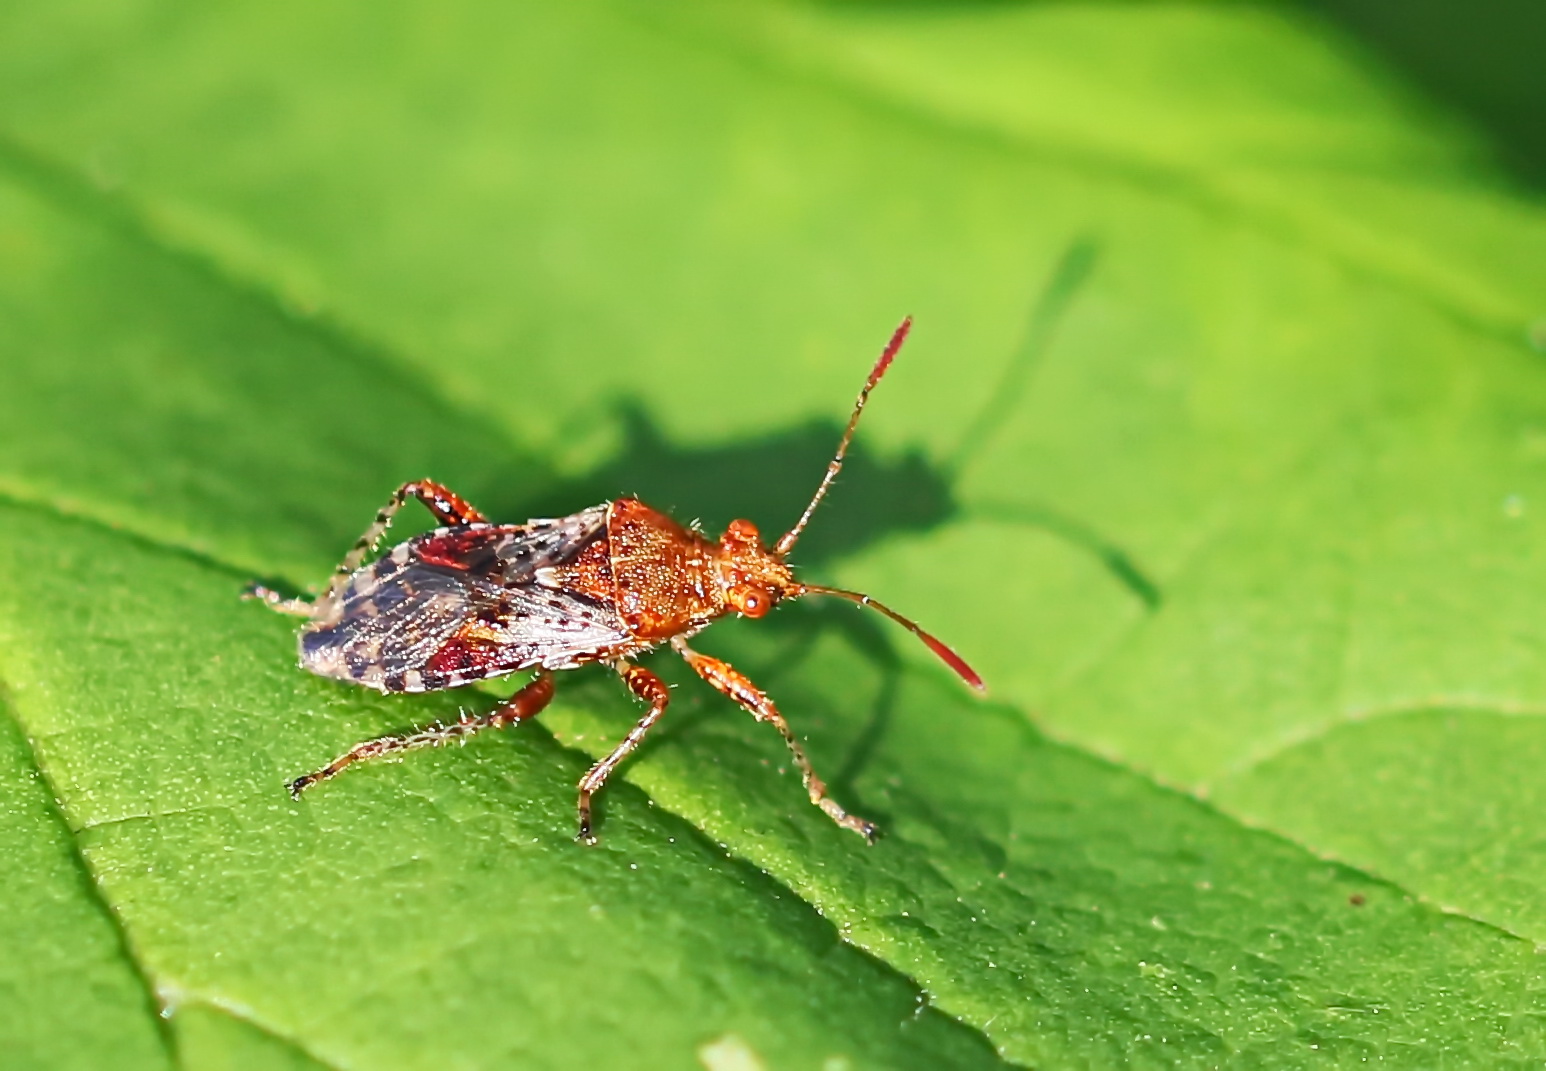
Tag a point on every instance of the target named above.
point(755, 578)
point(752, 577)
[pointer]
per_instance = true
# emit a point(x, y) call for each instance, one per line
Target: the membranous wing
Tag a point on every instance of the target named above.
point(461, 604)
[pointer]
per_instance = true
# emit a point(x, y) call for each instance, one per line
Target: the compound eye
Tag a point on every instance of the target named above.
point(750, 600)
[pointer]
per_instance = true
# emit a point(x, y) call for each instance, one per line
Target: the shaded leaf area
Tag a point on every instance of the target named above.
point(1482, 59)
point(144, 388)
point(1219, 449)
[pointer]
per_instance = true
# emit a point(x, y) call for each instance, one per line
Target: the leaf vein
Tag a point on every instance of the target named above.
point(92, 888)
point(1489, 313)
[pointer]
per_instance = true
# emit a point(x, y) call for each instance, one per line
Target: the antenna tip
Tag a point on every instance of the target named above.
point(955, 662)
point(897, 338)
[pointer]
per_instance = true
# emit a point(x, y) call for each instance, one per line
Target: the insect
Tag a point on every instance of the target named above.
point(472, 600)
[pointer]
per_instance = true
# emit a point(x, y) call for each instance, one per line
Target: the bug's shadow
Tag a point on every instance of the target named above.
point(767, 480)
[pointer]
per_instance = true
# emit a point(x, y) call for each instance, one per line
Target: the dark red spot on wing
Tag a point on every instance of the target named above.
point(467, 549)
point(464, 656)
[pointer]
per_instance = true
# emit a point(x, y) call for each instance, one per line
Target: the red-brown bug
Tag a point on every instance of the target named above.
point(473, 600)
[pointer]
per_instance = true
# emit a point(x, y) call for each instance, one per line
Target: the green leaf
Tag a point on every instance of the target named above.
point(1218, 450)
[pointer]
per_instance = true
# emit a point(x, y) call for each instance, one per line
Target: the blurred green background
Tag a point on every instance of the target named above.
point(1219, 448)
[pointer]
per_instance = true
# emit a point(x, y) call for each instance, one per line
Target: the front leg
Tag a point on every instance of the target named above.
point(732, 682)
point(648, 687)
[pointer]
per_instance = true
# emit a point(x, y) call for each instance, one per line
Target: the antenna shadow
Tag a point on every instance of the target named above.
point(767, 479)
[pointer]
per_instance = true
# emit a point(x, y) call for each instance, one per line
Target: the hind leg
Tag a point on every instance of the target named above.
point(524, 704)
point(448, 507)
point(300, 607)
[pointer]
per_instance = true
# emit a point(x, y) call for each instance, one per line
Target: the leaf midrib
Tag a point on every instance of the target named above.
point(55, 804)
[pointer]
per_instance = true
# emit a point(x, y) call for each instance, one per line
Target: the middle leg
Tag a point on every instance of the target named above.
point(648, 687)
point(732, 682)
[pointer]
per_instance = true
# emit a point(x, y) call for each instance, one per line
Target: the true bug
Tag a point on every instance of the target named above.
point(473, 600)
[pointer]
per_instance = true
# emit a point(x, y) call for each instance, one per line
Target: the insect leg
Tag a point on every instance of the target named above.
point(277, 602)
point(447, 506)
point(732, 682)
point(526, 703)
point(648, 687)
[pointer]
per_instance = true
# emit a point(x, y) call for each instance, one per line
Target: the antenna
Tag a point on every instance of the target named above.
point(949, 657)
point(787, 540)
